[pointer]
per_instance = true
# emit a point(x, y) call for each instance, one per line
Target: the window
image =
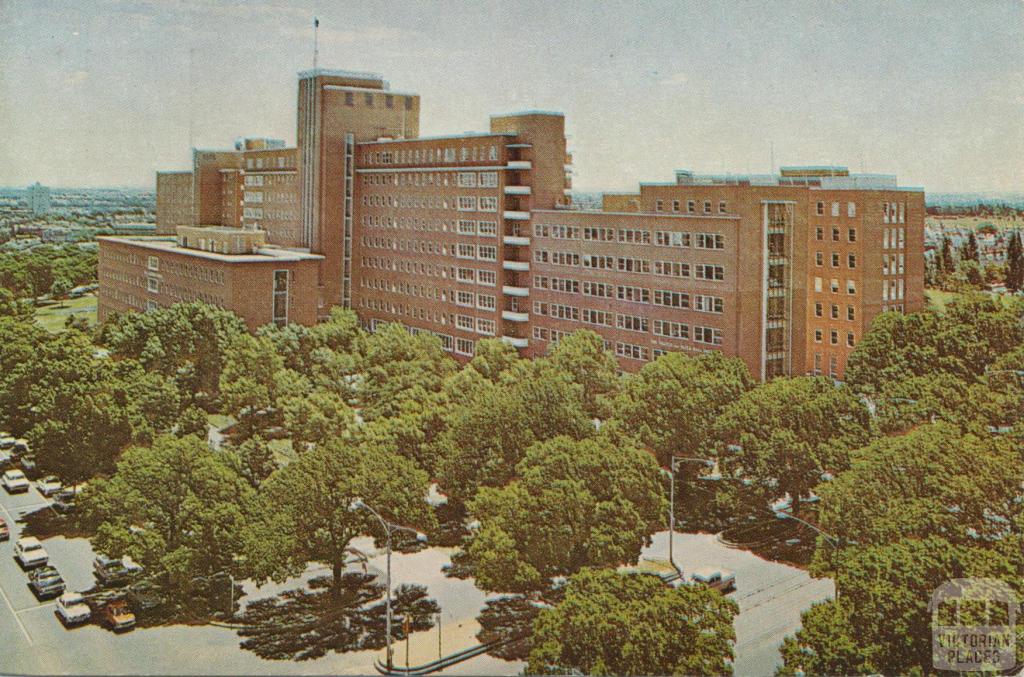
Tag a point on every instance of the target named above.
point(599, 234)
point(598, 317)
point(835, 311)
point(705, 271)
point(487, 228)
point(818, 309)
point(851, 209)
point(349, 99)
point(671, 299)
point(488, 204)
point(464, 298)
point(389, 101)
point(488, 179)
point(851, 235)
point(634, 236)
point(465, 251)
point(835, 234)
point(834, 337)
point(668, 238)
point(466, 180)
point(672, 269)
point(631, 323)
point(368, 97)
point(280, 297)
point(467, 203)
point(849, 339)
point(835, 259)
point(465, 275)
point(835, 286)
point(675, 205)
point(408, 106)
point(819, 233)
point(631, 351)
point(676, 330)
point(707, 206)
point(466, 227)
point(851, 313)
point(487, 253)
point(835, 209)
point(722, 208)
point(153, 285)
point(628, 265)
point(599, 289)
point(464, 322)
point(635, 294)
point(708, 304)
point(691, 206)
point(817, 336)
point(598, 262)
point(153, 263)
point(821, 209)
point(486, 327)
point(487, 278)
point(851, 287)
point(710, 241)
point(464, 347)
point(659, 205)
point(708, 335)
point(851, 260)
point(817, 284)
point(819, 258)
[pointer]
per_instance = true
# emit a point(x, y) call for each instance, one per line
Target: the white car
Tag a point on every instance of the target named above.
point(49, 485)
point(15, 482)
point(718, 579)
point(72, 609)
point(30, 553)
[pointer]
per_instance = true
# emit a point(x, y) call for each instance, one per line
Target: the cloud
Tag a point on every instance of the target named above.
point(677, 79)
point(76, 78)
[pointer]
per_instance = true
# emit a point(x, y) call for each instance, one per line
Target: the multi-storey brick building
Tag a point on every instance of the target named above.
point(474, 235)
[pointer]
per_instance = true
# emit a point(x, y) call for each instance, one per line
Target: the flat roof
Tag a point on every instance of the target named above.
point(267, 254)
point(528, 112)
point(443, 137)
point(339, 73)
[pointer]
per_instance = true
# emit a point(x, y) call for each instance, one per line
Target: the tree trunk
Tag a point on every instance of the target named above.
point(336, 569)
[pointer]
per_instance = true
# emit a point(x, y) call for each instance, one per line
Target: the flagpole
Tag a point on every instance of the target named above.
point(316, 49)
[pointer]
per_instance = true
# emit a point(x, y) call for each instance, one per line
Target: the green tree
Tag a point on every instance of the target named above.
point(305, 509)
point(39, 271)
point(316, 418)
point(176, 507)
point(1015, 263)
point(488, 431)
point(972, 273)
point(575, 503)
point(671, 403)
point(969, 249)
point(254, 383)
point(60, 288)
point(632, 624)
point(255, 460)
point(583, 356)
point(947, 259)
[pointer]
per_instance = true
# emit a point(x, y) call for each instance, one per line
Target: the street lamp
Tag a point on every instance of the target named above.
point(389, 529)
point(673, 463)
point(829, 538)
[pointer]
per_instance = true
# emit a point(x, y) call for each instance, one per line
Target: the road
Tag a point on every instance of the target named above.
point(770, 596)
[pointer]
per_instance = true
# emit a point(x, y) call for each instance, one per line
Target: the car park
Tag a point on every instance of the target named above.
point(46, 582)
point(718, 579)
point(114, 572)
point(15, 482)
point(72, 609)
point(5, 531)
point(116, 615)
point(29, 553)
point(49, 485)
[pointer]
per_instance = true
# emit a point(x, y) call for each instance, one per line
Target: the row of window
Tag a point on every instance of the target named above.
point(851, 259)
point(851, 209)
point(626, 264)
point(257, 163)
point(691, 206)
point(662, 238)
point(819, 311)
point(636, 323)
point(471, 203)
point(403, 156)
point(833, 337)
point(477, 179)
point(893, 265)
point(851, 234)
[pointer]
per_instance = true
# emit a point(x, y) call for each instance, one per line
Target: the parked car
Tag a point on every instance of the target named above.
point(28, 465)
point(5, 531)
point(72, 609)
point(719, 579)
point(30, 553)
point(114, 572)
point(144, 595)
point(7, 442)
point(63, 505)
point(46, 582)
point(69, 493)
point(116, 615)
point(15, 482)
point(49, 485)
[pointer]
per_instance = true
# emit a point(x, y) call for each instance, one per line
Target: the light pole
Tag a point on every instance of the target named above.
point(673, 462)
point(389, 529)
point(829, 538)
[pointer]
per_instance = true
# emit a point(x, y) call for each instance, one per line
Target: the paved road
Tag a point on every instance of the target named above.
point(770, 595)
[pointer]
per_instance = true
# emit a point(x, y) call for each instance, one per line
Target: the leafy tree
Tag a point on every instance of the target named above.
point(299, 345)
point(316, 418)
point(971, 272)
point(791, 431)
point(488, 431)
point(969, 249)
point(394, 362)
point(193, 421)
point(305, 507)
point(255, 460)
point(176, 507)
point(254, 383)
point(1015, 263)
point(576, 503)
point(186, 342)
point(415, 430)
point(582, 355)
point(948, 261)
point(672, 402)
point(20, 343)
point(60, 288)
point(39, 272)
point(11, 306)
point(914, 486)
point(632, 624)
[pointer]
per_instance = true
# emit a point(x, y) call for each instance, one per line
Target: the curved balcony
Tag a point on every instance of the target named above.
point(517, 190)
point(514, 215)
point(520, 266)
point(509, 290)
point(519, 164)
point(515, 316)
point(516, 240)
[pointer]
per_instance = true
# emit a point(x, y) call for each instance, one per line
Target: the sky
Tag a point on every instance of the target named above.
point(106, 92)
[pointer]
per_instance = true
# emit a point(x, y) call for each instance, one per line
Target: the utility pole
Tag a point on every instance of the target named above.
point(316, 50)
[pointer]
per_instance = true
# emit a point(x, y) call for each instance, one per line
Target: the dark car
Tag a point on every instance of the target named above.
point(114, 572)
point(46, 582)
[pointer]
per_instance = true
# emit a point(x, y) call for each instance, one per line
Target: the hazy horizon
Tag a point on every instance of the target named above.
point(105, 94)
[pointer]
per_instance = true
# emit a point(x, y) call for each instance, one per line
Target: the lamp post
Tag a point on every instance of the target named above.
point(389, 529)
point(673, 463)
